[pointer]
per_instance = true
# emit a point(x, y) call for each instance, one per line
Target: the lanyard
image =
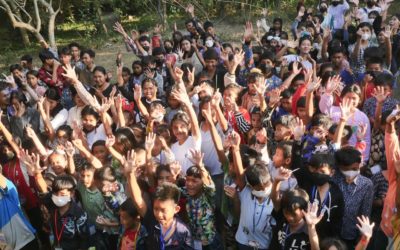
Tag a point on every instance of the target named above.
point(163, 236)
point(58, 235)
point(314, 196)
point(324, 207)
point(254, 214)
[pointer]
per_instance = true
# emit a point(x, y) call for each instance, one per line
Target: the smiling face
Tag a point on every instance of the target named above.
point(354, 99)
point(89, 122)
point(149, 90)
point(99, 78)
point(193, 185)
point(180, 130)
point(58, 163)
point(164, 211)
point(305, 47)
point(185, 45)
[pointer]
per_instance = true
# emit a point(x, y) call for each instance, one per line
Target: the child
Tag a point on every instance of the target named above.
point(93, 203)
point(282, 132)
point(93, 130)
point(357, 191)
point(181, 124)
point(283, 158)
point(255, 122)
point(69, 221)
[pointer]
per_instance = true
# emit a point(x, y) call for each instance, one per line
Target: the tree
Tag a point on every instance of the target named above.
point(20, 16)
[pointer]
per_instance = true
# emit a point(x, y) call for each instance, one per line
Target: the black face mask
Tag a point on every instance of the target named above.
point(370, 4)
point(323, 9)
point(168, 49)
point(335, 3)
point(266, 69)
point(319, 179)
point(160, 62)
point(146, 48)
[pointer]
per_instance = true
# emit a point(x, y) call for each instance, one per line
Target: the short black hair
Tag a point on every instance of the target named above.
point(294, 199)
point(321, 120)
point(194, 171)
point(105, 174)
point(88, 110)
point(347, 156)
point(384, 79)
point(63, 182)
point(257, 174)
point(347, 132)
point(129, 207)
point(15, 67)
point(249, 156)
point(45, 54)
point(301, 102)
point(65, 51)
point(167, 191)
point(74, 44)
point(285, 120)
point(322, 159)
point(210, 54)
point(27, 58)
point(286, 147)
point(374, 60)
point(90, 52)
point(327, 243)
point(144, 38)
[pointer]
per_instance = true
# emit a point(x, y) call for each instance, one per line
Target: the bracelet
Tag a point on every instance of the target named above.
point(364, 241)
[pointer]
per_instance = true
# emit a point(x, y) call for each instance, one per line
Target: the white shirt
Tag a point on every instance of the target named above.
point(98, 133)
point(74, 114)
point(297, 58)
point(255, 220)
point(210, 159)
point(59, 119)
point(182, 153)
point(337, 13)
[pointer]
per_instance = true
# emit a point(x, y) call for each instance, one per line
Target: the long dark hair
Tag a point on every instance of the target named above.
point(52, 94)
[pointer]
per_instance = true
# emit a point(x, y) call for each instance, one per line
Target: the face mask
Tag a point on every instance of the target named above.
point(168, 49)
point(371, 20)
point(323, 9)
point(60, 201)
point(319, 179)
point(262, 193)
point(350, 174)
point(160, 62)
point(365, 36)
point(266, 69)
point(209, 43)
point(146, 48)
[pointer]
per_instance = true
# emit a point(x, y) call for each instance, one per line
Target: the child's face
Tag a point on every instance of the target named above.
point(193, 185)
point(58, 163)
point(89, 122)
point(301, 112)
point(256, 121)
point(321, 170)
point(354, 99)
point(180, 130)
point(278, 158)
point(286, 104)
point(293, 218)
point(32, 80)
point(281, 132)
point(87, 178)
point(63, 192)
point(229, 96)
point(100, 152)
point(172, 102)
point(319, 132)
point(126, 220)
point(165, 177)
point(149, 90)
point(164, 211)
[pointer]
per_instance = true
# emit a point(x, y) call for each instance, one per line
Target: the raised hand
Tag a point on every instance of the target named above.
point(235, 139)
point(149, 142)
point(191, 75)
point(365, 227)
point(118, 28)
point(110, 141)
point(216, 99)
point(78, 143)
point(207, 114)
point(313, 85)
point(296, 69)
point(190, 9)
point(283, 174)
point(311, 216)
point(130, 162)
point(264, 12)
point(137, 92)
point(345, 109)
point(298, 129)
point(238, 57)
point(248, 31)
point(157, 29)
point(118, 102)
point(274, 97)
point(388, 32)
point(332, 84)
point(181, 95)
point(69, 149)
point(134, 35)
point(176, 168)
point(180, 53)
point(197, 157)
point(379, 94)
point(105, 105)
point(70, 73)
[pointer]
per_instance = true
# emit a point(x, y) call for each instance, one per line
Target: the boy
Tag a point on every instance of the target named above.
point(357, 191)
point(168, 232)
point(282, 132)
point(283, 158)
point(68, 220)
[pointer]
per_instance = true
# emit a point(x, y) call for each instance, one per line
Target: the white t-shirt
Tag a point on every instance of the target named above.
point(297, 58)
point(182, 153)
point(74, 114)
point(255, 220)
point(210, 159)
point(59, 119)
point(98, 133)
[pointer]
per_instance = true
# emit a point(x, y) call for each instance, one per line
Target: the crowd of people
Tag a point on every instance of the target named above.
point(283, 140)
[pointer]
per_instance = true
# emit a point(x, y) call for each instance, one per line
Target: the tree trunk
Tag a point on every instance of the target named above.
point(51, 27)
point(25, 37)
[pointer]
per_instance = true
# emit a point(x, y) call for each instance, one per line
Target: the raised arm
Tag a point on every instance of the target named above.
point(39, 146)
point(380, 96)
point(215, 103)
point(109, 145)
point(8, 136)
point(87, 154)
point(137, 96)
point(366, 229)
point(312, 86)
point(345, 107)
point(237, 160)
point(197, 159)
point(388, 45)
point(44, 112)
point(131, 167)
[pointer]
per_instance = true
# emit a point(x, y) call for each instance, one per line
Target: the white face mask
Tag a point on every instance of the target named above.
point(366, 36)
point(350, 174)
point(209, 43)
point(262, 193)
point(371, 20)
point(60, 201)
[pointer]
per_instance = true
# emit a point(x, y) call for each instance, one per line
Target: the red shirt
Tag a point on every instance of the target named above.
point(26, 191)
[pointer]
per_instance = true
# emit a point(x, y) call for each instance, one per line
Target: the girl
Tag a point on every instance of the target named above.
point(100, 78)
point(33, 81)
point(352, 93)
point(190, 54)
point(180, 126)
point(91, 127)
point(149, 91)
point(53, 109)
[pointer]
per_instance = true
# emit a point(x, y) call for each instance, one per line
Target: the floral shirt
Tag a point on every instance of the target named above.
point(370, 105)
point(273, 82)
point(201, 213)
